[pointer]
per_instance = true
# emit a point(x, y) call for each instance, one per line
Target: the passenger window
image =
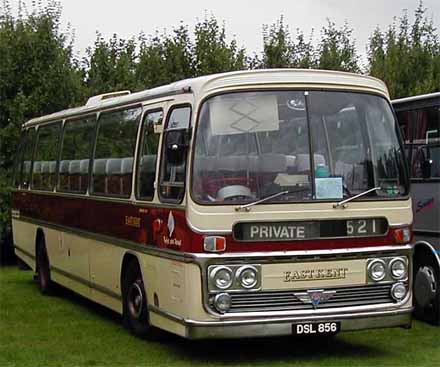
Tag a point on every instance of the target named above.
point(115, 145)
point(148, 155)
point(46, 156)
point(75, 155)
point(18, 164)
point(173, 171)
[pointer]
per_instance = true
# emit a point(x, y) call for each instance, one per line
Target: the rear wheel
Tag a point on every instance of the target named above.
point(427, 291)
point(135, 302)
point(43, 269)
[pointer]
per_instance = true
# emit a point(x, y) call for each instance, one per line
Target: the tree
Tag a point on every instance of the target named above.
point(37, 76)
point(164, 59)
point(405, 56)
point(278, 48)
point(111, 65)
point(337, 50)
point(212, 53)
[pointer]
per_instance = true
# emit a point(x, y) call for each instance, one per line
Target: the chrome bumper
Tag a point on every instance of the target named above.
point(265, 327)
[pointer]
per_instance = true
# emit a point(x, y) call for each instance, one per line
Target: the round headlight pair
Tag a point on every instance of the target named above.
point(377, 270)
point(398, 269)
point(247, 276)
point(222, 277)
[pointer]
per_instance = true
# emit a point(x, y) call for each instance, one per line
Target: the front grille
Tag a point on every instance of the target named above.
point(286, 301)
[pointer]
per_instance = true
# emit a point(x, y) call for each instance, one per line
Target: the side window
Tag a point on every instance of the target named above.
point(426, 144)
point(46, 156)
point(148, 156)
point(26, 159)
point(76, 151)
point(18, 164)
point(173, 168)
point(114, 152)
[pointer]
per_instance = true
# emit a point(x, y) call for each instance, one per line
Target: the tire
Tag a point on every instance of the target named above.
point(43, 270)
point(135, 310)
point(427, 292)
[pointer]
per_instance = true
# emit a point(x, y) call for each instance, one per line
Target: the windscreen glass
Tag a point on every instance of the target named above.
point(305, 145)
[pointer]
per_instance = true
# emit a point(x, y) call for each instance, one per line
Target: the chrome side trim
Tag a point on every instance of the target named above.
point(87, 283)
point(303, 253)
point(169, 315)
point(24, 252)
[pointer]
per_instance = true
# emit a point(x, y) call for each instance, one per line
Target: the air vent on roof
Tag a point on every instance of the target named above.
point(95, 100)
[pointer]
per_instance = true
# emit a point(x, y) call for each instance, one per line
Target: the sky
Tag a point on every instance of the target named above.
point(242, 18)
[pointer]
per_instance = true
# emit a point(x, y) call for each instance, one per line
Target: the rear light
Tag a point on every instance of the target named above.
point(214, 244)
point(402, 235)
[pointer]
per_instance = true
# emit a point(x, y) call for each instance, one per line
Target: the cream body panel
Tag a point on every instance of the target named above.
point(165, 323)
point(105, 266)
point(77, 259)
point(24, 235)
point(220, 218)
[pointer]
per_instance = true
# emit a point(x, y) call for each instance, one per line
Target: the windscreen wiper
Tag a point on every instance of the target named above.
point(342, 204)
point(246, 207)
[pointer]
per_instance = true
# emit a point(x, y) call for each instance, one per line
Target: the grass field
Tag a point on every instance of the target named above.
point(67, 330)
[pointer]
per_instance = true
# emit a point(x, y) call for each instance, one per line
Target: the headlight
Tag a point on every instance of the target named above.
point(247, 276)
point(398, 291)
point(222, 277)
point(222, 302)
point(377, 270)
point(398, 269)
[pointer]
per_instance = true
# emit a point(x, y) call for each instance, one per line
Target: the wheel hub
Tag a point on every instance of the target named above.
point(135, 300)
point(425, 286)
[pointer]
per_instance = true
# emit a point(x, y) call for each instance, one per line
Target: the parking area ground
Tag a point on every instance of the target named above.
point(67, 330)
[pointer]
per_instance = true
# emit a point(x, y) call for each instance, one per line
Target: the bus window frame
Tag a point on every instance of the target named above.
point(188, 160)
point(95, 140)
point(136, 169)
point(65, 121)
point(37, 139)
point(413, 107)
point(16, 175)
point(27, 131)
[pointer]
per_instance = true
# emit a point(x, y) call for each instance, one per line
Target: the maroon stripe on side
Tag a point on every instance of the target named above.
point(161, 227)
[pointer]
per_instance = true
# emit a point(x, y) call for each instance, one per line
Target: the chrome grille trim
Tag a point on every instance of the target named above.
point(286, 301)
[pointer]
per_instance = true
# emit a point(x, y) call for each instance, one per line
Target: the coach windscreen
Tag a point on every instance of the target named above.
point(316, 145)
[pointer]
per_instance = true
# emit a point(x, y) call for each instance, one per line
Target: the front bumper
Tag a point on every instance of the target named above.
point(265, 327)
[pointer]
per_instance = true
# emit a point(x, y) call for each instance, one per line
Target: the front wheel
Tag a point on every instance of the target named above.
point(135, 309)
point(427, 292)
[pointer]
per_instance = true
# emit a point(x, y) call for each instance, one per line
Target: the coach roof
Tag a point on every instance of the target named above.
point(203, 85)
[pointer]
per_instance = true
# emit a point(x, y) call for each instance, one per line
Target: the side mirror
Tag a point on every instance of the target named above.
point(177, 144)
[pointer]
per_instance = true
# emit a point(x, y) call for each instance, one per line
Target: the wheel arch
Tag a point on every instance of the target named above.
point(126, 259)
point(424, 250)
point(39, 235)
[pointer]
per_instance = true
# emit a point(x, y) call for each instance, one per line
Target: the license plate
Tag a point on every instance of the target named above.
point(316, 328)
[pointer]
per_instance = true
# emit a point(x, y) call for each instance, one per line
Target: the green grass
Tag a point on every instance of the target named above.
point(67, 330)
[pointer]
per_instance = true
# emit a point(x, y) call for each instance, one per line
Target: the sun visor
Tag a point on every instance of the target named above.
point(232, 115)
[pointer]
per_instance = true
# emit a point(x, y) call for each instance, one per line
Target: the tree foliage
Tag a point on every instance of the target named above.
point(37, 76)
point(39, 73)
point(406, 56)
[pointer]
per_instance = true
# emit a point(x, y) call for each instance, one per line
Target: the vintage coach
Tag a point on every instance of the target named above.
point(252, 203)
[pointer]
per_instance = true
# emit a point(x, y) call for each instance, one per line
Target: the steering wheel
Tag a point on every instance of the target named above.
point(234, 192)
